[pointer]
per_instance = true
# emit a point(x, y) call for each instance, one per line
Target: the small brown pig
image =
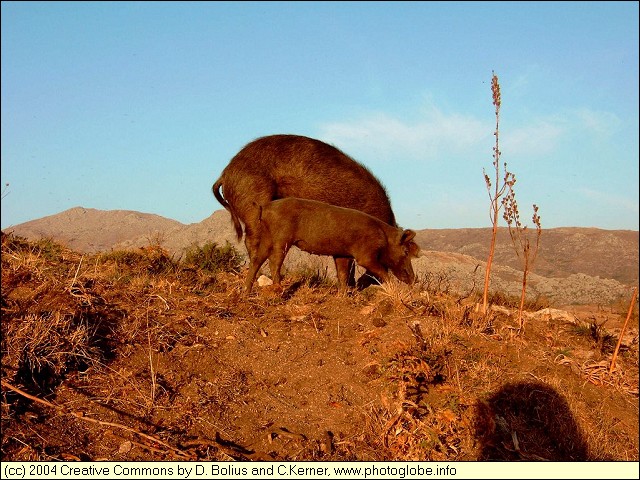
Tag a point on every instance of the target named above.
point(323, 229)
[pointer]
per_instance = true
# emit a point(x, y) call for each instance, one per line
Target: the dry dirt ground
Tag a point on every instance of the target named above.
point(131, 357)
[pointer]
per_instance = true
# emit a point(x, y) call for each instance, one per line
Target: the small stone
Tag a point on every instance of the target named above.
point(125, 447)
point(372, 370)
point(379, 322)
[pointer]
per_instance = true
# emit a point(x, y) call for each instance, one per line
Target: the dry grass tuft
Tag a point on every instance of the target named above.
point(400, 294)
point(41, 348)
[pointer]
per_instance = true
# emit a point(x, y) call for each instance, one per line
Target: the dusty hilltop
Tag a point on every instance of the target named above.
point(132, 355)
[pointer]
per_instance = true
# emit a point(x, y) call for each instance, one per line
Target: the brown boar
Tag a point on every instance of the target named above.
point(323, 229)
point(280, 166)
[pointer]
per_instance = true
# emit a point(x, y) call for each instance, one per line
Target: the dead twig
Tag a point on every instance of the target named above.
point(175, 451)
point(231, 449)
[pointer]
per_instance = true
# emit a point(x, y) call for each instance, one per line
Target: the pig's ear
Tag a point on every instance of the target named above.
point(407, 236)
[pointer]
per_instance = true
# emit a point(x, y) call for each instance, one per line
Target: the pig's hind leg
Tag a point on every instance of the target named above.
point(276, 259)
point(258, 253)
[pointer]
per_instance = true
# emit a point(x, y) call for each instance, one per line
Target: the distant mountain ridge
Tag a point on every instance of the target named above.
point(88, 230)
point(563, 251)
point(572, 263)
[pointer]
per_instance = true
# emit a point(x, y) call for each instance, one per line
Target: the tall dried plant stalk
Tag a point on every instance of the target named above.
point(520, 239)
point(624, 327)
point(498, 189)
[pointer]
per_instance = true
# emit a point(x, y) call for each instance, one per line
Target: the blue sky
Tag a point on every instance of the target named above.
point(140, 105)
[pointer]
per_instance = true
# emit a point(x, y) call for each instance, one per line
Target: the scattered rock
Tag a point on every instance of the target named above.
point(372, 369)
point(379, 322)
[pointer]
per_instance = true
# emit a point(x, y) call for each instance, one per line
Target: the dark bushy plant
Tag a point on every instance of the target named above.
point(213, 258)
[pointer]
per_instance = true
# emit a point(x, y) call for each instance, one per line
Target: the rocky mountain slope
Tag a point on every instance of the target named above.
point(563, 251)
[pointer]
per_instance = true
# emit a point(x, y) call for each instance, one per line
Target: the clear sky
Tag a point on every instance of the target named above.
point(140, 105)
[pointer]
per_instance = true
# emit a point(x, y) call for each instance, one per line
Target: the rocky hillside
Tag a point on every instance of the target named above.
point(563, 251)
